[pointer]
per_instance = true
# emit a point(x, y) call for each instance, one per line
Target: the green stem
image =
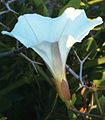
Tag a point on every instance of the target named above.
point(44, 75)
point(98, 103)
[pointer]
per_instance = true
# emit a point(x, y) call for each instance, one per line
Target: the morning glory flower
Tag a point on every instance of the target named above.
point(52, 39)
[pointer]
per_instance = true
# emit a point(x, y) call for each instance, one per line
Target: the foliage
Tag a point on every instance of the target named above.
point(26, 94)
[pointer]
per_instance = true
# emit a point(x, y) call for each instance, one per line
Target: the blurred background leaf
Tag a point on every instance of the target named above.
point(71, 3)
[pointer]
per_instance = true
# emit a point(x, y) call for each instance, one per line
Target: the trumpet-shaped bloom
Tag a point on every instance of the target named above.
point(52, 38)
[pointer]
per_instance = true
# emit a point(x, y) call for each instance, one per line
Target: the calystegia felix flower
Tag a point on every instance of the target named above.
point(52, 39)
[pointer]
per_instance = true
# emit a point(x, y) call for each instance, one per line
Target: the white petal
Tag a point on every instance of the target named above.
point(76, 28)
point(39, 33)
point(72, 13)
point(76, 24)
point(44, 50)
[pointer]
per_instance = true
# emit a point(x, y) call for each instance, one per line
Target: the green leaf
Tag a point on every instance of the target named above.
point(91, 46)
point(92, 63)
point(103, 7)
point(71, 3)
point(72, 115)
point(13, 86)
point(100, 82)
point(88, 45)
point(3, 118)
point(55, 12)
point(4, 104)
point(62, 2)
point(102, 103)
point(74, 99)
point(44, 75)
point(40, 7)
point(94, 1)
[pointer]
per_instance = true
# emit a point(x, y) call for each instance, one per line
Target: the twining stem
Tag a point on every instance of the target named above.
point(8, 7)
point(55, 101)
point(3, 12)
point(85, 114)
point(97, 101)
point(92, 104)
point(16, 51)
point(81, 66)
point(4, 26)
point(72, 72)
point(31, 61)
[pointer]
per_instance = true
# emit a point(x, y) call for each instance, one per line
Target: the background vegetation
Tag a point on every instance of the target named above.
point(28, 95)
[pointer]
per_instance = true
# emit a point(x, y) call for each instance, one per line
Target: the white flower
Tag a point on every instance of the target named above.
point(52, 38)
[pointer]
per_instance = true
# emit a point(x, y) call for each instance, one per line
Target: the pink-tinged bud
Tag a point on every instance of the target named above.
point(65, 90)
